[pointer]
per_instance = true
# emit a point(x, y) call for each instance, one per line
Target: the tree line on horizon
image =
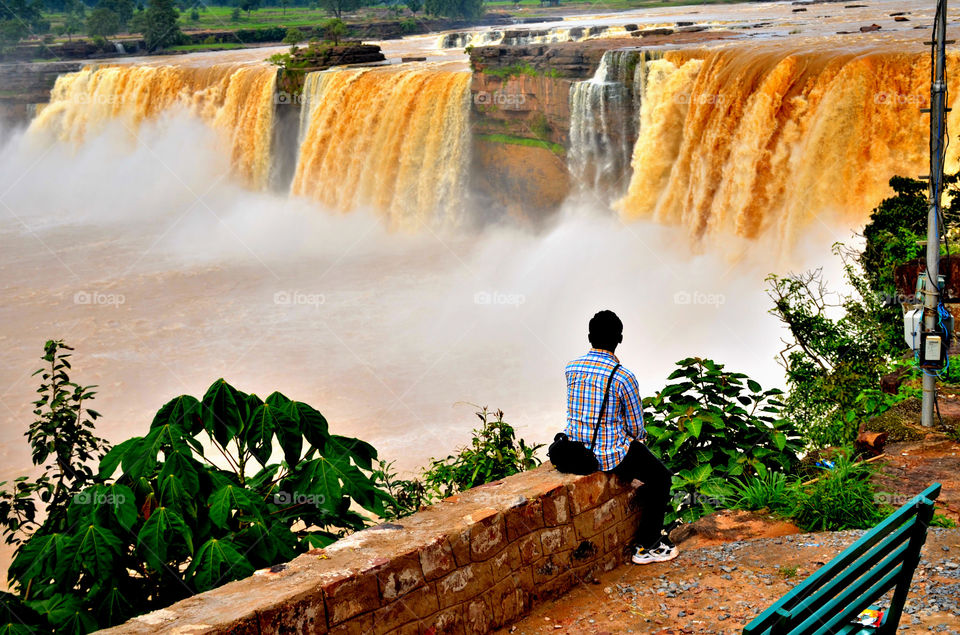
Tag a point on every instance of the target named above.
point(158, 20)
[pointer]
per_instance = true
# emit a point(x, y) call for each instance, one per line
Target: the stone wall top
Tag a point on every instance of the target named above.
point(467, 564)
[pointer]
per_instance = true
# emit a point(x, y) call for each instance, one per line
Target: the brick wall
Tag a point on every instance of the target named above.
point(468, 564)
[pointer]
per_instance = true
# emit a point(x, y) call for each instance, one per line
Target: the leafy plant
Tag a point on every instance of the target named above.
point(406, 495)
point(217, 487)
point(494, 453)
point(62, 442)
point(767, 489)
point(841, 498)
point(830, 359)
point(713, 425)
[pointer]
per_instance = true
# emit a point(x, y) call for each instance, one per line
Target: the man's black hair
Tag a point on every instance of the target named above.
point(606, 331)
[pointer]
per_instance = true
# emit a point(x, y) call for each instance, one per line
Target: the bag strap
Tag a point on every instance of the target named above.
point(603, 406)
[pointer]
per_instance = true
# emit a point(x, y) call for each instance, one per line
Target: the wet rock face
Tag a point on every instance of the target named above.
point(469, 564)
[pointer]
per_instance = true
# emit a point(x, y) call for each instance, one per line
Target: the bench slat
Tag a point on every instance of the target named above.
point(841, 607)
point(895, 542)
point(898, 527)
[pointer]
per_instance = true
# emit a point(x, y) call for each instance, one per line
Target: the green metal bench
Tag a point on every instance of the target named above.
point(827, 602)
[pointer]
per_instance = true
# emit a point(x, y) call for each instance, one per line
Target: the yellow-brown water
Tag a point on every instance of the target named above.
point(744, 139)
point(236, 100)
point(393, 140)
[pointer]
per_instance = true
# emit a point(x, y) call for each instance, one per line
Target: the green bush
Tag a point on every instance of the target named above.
point(768, 489)
point(217, 488)
point(711, 426)
point(842, 498)
point(494, 453)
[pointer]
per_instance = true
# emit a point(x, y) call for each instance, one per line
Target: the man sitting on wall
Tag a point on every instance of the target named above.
point(619, 447)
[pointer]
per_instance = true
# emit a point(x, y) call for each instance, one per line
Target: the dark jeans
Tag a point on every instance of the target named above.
point(640, 463)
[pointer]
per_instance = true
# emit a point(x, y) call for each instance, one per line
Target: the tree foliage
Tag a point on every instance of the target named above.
point(339, 7)
point(64, 447)
point(454, 8)
point(712, 425)
point(160, 26)
point(218, 487)
point(102, 23)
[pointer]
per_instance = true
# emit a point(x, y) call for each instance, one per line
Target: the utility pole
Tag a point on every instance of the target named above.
point(931, 295)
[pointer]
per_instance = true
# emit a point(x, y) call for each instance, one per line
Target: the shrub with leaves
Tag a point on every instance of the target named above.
point(217, 488)
point(494, 453)
point(62, 442)
point(841, 498)
point(767, 489)
point(712, 425)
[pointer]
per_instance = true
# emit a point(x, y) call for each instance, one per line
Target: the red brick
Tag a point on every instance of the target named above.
point(557, 539)
point(620, 536)
point(507, 601)
point(399, 576)
point(478, 617)
point(588, 492)
point(556, 507)
point(506, 561)
point(550, 567)
point(557, 586)
point(361, 624)
point(436, 559)
point(598, 519)
point(487, 537)
point(306, 615)
point(347, 597)
point(460, 545)
point(530, 548)
point(586, 551)
point(410, 608)
point(523, 519)
point(446, 622)
point(464, 583)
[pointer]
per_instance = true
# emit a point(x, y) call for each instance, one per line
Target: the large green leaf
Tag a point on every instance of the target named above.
point(183, 412)
point(122, 504)
point(185, 467)
point(221, 411)
point(112, 459)
point(66, 613)
point(224, 500)
point(362, 453)
point(161, 532)
point(217, 561)
point(97, 549)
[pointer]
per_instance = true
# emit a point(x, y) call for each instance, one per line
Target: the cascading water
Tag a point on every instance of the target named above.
point(603, 122)
point(524, 37)
point(393, 140)
point(742, 140)
point(236, 100)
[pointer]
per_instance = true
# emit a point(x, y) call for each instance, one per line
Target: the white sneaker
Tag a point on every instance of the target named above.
point(662, 552)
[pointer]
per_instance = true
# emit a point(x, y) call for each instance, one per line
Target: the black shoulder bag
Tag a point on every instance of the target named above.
point(573, 457)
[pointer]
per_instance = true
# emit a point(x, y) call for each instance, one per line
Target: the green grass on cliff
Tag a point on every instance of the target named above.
point(219, 46)
point(556, 148)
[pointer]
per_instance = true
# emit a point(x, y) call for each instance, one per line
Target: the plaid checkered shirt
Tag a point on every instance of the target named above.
point(623, 416)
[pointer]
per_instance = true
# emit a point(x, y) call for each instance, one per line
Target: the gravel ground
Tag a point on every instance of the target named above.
point(720, 589)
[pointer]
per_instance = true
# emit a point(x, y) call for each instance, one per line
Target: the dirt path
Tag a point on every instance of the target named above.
point(720, 589)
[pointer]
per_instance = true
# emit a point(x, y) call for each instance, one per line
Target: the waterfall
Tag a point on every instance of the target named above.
point(603, 121)
point(741, 140)
point(530, 36)
point(396, 141)
point(236, 100)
